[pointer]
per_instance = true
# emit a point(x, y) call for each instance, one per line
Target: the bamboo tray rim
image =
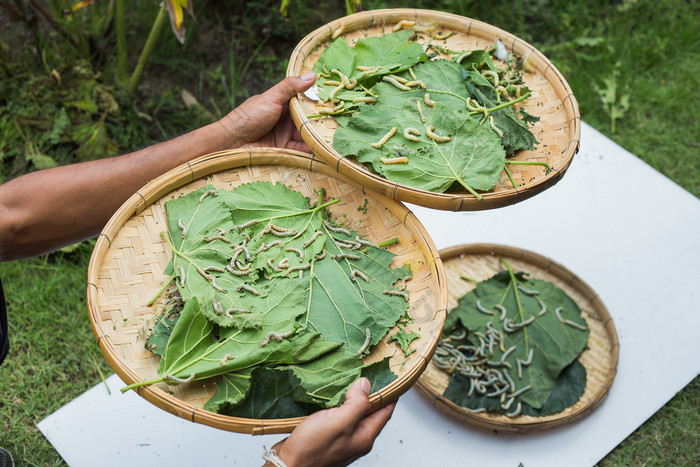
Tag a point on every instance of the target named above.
point(231, 160)
point(445, 201)
point(591, 401)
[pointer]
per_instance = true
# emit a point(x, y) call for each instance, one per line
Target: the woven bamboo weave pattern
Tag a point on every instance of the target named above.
point(126, 271)
point(558, 130)
point(480, 262)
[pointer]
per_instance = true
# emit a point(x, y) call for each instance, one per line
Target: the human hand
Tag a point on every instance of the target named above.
point(338, 436)
point(264, 120)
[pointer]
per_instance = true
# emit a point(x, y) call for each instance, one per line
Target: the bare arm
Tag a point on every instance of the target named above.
point(48, 209)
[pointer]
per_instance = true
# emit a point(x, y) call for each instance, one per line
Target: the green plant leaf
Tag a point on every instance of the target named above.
point(404, 338)
point(232, 389)
point(379, 374)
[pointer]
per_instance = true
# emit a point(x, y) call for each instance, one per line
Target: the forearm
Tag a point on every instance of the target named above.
point(48, 209)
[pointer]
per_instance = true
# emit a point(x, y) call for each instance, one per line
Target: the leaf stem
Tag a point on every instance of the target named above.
point(510, 177)
point(142, 383)
point(165, 286)
point(543, 164)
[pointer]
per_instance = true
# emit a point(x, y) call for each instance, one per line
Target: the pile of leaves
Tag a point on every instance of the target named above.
point(275, 298)
point(511, 347)
point(421, 121)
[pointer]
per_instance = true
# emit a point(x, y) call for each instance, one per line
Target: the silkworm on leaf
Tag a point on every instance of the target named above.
point(182, 227)
point(298, 268)
point(336, 34)
point(311, 240)
point(176, 380)
point(297, 251)
point(482, 309)
point(403, 24)
point(270, 262)
point(365, 242)
point(417, 82)
point(365, 99)
point(501, 309)
point(366, 344)
point(420, 111)
point(182, 276)
point(226, 358)
point(496, 129)
point(355, 273)
point(248, 288)
point(396, 293)
point(214, 284)
point(216, 237)
point(567, 322)
point(207, 193)
point(394, 160)
point(284, 263)
point(336, 90)
point(320, 256)
point(247, 224)
point(428, 101)
point(430, 131)
point(234, 310)
point(516, 412)
point(384, 139)
point(346, 256)
point(412, 134)
point(395, 83)
point(332, 83)
point(528, 291)
point(444, 35)
point(275, 336)
point(236, 272)
point(336, 229)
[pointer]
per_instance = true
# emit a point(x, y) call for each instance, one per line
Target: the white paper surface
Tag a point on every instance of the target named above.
point(626, 230)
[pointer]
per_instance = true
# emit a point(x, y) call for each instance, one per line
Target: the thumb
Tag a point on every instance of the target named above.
point(356, 403)
point(290, 86)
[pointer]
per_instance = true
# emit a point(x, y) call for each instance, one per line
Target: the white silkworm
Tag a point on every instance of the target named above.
point(226, 358)
point(395, 83)
point(338, 32)
point(482, 309)
point(502, 310)
point(384, 139)
point(413, 75)
point(247, 224)
point(530, 292)
point(403, 283)
point(182, 276)
point(236, 272)
point(216, 237)
point(183, 227)
point(398, 78)
point(365, 242)
point(516, 412)
point(320, 256)
point(284, 263)
point(355, 273)
point(430, 131)
point(366, 344)
point(308, 243)
point(420, 111)
point(175, 379)
point(367, 68)
point(428, 101)
point(396, 293)
point(207, 193)
point(297, 251)
point(543, 308)
point(521, 391)
point(507, 353)
point(243, 267)
point(365, 99)
point(417, 82)
point(298, 268)
point(248, 288)
point(218, 308)
point(214, 284)
point(265, 247)
point(275, 336)
point(348, 244)
point(493, 126)
point(281, 229)
point(411, 134)
point(394, 160)
point(331, 82)
point(247, 253)
point(578, 326)
point(497, 392)
point(492, 74)
point(346, 256)
point(336, 229)
point(270, 262)
point(235, 310)
point(404, 23)
point(336, 90)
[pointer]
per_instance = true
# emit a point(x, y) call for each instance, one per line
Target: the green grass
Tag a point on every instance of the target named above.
point(647, 50)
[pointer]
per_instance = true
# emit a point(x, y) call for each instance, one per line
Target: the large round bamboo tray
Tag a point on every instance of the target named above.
point(126, 271)
point(558, 130)
point(480, 262)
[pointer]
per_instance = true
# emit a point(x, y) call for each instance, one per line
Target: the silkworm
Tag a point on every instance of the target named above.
point(365, 242)
point(482, 309)
point(474, 106)
point(175, 379)
point(384, 139)
point(521, 391)
point(216, 237)
point(336, 90)
point(320, 256)
point(365, 99)
point(516, 412)
point(394, 160)
point(530, 292)
point(479, 410)
point(412, 134)
point(336, 229)
point(496, 129)
point(214, 268)
point(247, 253)
point(338, 31)
point(207, 193)
point(471, 387)
point(265, 247)
point(298, 268)
point(395, 83)
point(355, 273)
point(183, 227)
point(507, 353)
point(247, 224)
point(275, 336)
point(270, 262)
point(578, 326)
point(403, 283)
point(403, 24)
point(417, 82)
point(413, 75)
point(429, 130)
point(331, 83)
point(420, 111)
point(346, 256)
point(248, 288)
point(444, 35)
point(284, 263)
point(234, 310)
point(463, 56)
point(543, 308)
point(490, 73)
point(502, 310)
point(366, 344)
point(297, 251)
point(398, 78)
point(367, 68)
point(428, 101)
point(243, 267)
point(182, 276)
point(236, 272)
point(226, 358)
point(348, 244)
point(396, 293)
point(214, 284)
point(281, 229)
point(497, 392)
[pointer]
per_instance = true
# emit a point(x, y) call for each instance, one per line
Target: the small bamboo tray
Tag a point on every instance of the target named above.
point(558, 130)
point(480, 262)
point(126, 271)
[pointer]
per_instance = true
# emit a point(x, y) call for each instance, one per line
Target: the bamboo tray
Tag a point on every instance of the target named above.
point(126, 271)
point(480, 262)
point(558, 130)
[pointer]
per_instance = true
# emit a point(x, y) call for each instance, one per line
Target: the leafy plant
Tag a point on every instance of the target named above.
point(616, 101)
